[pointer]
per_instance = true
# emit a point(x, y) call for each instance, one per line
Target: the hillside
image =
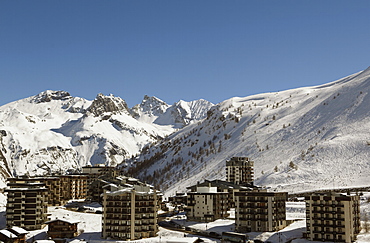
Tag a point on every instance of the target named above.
point(299, 139)
point(53, 132)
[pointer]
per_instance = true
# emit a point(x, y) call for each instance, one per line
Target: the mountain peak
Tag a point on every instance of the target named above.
point(107, 104)
point(49, 95)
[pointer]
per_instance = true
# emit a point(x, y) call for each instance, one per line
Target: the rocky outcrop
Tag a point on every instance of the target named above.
point(50, 95)
point(108, 104)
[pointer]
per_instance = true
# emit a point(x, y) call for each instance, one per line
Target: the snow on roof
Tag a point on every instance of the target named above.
point(64, 220)
point(44, 241)
point(182, 240)
point(19, 230)
point(8, 234)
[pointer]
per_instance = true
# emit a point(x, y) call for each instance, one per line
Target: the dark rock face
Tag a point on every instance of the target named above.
point(108, 104)
point(49, 95)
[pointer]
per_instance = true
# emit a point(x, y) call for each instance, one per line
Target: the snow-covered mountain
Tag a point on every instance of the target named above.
point(54, 132)
point(180, 114)
point(300, 139)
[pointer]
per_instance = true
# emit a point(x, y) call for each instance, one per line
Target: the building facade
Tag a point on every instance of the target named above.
point(207, 204)
point(260, 211)
point(62, 228)
point(74, 187)
point(130, 212)
point(210, 200)
point(239, 170)
point(332, 217)
point(26, 205)
point(52, 184)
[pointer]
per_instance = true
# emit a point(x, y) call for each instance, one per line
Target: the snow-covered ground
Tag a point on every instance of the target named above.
point(90, 226)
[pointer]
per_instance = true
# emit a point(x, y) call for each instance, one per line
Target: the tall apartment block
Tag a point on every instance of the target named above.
point(239, 170)
point(260, 211)
point(130, 212)
point(27, 205)
point(332, 217)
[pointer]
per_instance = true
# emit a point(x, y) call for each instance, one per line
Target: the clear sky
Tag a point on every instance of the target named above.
point(174, 50)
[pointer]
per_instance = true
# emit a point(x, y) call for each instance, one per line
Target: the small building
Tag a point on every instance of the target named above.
point(332, 217)
point(62, 228)
point(13, 235)
point(259, 211)
point(239, 170)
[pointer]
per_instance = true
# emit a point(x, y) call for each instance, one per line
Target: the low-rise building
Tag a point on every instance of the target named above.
point(239, 170)
point(258, 210)
point(332, 217)
point(26, 205)
point(13, 235)
point(62, 228)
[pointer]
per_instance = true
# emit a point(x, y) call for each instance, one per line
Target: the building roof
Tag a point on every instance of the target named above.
point(8, 234)
point(69, 221)
point(219, 184)
point(19, 230)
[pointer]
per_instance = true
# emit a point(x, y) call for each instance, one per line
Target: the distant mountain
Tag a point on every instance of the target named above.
point(178, 115)
point(53, 132)
point(300, 139)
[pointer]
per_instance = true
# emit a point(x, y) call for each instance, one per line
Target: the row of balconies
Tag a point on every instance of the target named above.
point(331, 225)
point(327, 205)
point(327, 232)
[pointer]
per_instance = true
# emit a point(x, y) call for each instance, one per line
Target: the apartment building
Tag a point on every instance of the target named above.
point(98, 176)
point(130, 211)
point(27, 205)
point(220, 185)
point(52, 184)
point(258, 210)
point(239, 170)
point(210, 200)
point(332, 217)
point(74, 187)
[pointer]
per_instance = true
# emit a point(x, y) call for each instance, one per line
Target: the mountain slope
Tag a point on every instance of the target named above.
point(300, 139)
point(54, 132)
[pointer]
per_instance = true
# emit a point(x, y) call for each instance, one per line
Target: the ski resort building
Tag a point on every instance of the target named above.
point(52, 184)
point(260, 211)
point(130, 211)
point(239, 170)
point(13, 235)
point(332, 217)
point(210, 200)
point(27, 205)
point(74, 187)
point(62, 228)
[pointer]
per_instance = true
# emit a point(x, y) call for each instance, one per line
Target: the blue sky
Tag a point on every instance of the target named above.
point(176, 50)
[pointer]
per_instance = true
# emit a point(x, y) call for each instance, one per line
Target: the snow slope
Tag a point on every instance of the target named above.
point(300, 139)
